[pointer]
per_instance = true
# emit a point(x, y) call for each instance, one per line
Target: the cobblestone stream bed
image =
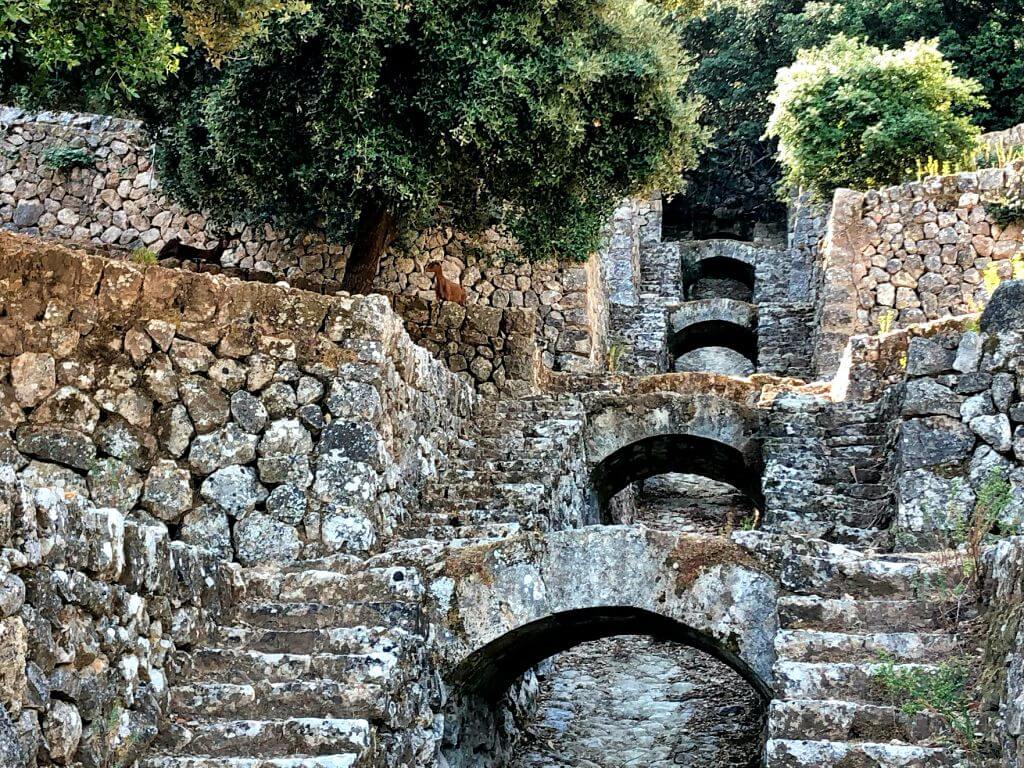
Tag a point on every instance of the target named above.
point(634, 702)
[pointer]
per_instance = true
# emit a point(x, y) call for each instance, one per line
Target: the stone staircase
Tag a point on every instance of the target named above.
point(519, 468)
point(319, 669)
point(827, 472)
point(847, 615)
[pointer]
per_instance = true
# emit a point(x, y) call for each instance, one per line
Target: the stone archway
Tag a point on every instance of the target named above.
point(714, 333)
point(509, 605)
point(655, 433)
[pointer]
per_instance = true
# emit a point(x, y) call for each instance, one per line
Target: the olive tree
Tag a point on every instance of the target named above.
point(362, 118)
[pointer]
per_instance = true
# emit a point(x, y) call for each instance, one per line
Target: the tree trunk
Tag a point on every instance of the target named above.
point(374, 235)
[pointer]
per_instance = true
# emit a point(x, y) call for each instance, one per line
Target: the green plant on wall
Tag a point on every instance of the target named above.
point(64, 158)
point(942, 690)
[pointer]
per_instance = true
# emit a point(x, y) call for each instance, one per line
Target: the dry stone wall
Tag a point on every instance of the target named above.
point(268, 424)
point(117, 201)
point(495, 349)
point(912, 253)
point(960, 424)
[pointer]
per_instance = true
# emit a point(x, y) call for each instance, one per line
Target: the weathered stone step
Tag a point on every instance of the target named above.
point(315, 615)
point(303, 761)
point(840, 681)
point(235, 666)
point(344, 640)
point(331, 587)
point(416, 531)
point(269, 738)
point(300, 698)
point(786, 753)
point(863, 577)
point(829, 720)
point(849, 615)
point(818, 646)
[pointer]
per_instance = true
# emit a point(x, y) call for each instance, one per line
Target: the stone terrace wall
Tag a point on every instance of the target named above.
point(262, 422)
point(960, 420)
point(911, 253)
point(119, 201)
point(495, 349)
point(93, 606)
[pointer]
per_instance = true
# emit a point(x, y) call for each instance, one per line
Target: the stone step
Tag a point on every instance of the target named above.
point(840, 681)
point(787, 753)
point(449, 533)
point(315, 615)
point(849, 615)
point(864, 577)
point(327, 586)
point(830, 720)
point(303, 761)
point(269, 738)
point(264, 700)
point(343, 640)
point(239, 666)
point(818, 646)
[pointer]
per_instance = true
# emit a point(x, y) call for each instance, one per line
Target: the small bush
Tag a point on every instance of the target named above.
point(65, 158)
point(143, 256)
point(942, 691)
point(851, 115)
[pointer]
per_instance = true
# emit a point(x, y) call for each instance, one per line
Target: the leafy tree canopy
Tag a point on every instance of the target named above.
point(361, 117)
point(852, 115)
point(739, 44)
point(101, 55)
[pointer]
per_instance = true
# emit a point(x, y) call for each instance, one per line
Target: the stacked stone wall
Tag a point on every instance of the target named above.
point(913, 253)
point(495, 349)
point(264, 422)
point(117, 201)
point(960, 422)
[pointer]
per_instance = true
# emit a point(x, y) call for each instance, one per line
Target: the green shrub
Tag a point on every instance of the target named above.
point(143, 256)
point(942, 691)
point(851, 115)
point(65, 158)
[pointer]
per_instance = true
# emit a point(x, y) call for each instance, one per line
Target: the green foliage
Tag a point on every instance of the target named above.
point(942, 691)
point(740, 45)
point(1006, 210)
point(64, 158)
point(981, 37)
point(143, 256)
point(737, 46)
point(538, 116)
point(852, 115)
point(83, 54)
point(221, 26)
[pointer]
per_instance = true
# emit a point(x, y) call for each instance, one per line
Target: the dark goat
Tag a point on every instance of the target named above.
point(175, 249)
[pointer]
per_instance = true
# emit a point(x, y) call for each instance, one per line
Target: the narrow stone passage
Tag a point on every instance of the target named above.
point(634, 702)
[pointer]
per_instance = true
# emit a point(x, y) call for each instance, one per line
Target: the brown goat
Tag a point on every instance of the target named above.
point(175, 249)
point(445, 289)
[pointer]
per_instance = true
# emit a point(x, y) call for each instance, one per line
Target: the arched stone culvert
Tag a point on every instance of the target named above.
point(741, 313)
point(681, 453)
point(632, 438)
point(510, 604)
point(714, 333)
point(719, 268)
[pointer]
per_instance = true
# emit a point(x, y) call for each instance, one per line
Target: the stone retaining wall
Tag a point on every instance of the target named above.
point(910, 254)
point(960, 425)
point(93, 605)
point(264, 422)
point(117, 201)
point(495, 349)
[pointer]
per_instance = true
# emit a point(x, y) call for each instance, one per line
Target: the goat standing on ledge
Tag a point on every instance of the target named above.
point(175, 249)
point(445, 289)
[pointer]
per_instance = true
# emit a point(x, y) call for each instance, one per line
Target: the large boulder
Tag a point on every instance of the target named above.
point(1005, 310)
